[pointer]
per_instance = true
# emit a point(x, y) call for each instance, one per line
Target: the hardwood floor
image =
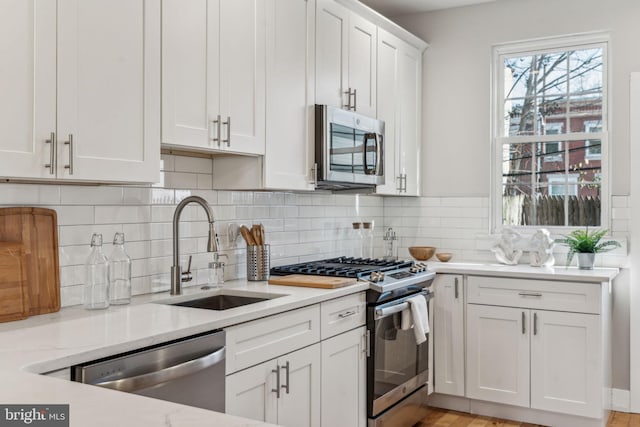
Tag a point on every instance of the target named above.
point(443, 418)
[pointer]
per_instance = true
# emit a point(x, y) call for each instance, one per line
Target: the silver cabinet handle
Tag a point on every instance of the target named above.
point(346, 314)
point(171, 373)
point(404, 186)
point(529, 294)
point(455, 288)
point(52, 156)
point(216, 123)
point(524, 330)
point(228, 123)
point(355, 99)
point(399, 186)
point(314, 174)
point(286, 376)
point(535, 323)
point(348, 93)
point(277, 389)
point(70, 144)
point(368, 343)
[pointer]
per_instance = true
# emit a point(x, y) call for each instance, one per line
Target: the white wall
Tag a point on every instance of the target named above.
point(456, 109)
point(456, 104)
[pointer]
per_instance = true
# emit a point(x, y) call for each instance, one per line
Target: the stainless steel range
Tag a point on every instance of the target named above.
point(397, 367)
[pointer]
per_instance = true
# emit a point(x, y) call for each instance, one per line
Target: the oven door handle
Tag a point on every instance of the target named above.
point(400, 306)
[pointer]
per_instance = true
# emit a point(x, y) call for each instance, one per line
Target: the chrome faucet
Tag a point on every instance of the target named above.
point(212, 244)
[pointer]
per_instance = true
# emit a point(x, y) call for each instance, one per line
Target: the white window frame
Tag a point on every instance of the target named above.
point(545, 45)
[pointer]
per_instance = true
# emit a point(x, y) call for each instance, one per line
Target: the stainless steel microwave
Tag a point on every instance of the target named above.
point(349, 149)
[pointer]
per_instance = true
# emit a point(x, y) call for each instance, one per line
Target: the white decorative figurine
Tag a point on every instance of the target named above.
point(505, 248)
point(541, 249)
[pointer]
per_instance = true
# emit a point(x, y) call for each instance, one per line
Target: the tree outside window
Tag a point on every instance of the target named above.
point(551, 129)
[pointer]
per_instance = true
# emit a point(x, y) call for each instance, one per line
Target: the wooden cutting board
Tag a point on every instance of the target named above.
point(312, 281)
point(14, 299)
point(37, 230)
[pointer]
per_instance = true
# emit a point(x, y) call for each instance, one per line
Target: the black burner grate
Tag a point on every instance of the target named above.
point(340, 267)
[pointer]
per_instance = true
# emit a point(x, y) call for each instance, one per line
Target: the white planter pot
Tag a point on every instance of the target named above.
point(586, 260)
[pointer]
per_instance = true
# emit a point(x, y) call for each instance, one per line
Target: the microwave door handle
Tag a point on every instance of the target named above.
point(378, 154)
point(367, 136)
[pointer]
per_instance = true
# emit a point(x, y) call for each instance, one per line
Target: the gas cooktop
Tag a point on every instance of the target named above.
point(342, 267)
point(388, 277)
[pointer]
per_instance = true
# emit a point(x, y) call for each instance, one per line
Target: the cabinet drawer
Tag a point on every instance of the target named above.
point(536, 294)
point(342, 314)
point(254, 342)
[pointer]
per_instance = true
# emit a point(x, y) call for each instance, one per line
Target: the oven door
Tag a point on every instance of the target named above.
point(397, 366)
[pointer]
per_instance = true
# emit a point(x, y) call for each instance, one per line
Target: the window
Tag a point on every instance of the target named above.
point(550, 133)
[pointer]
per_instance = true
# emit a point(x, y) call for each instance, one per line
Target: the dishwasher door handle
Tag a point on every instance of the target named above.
point(171, 373)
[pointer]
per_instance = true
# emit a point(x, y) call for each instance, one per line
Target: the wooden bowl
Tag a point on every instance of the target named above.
point(422, 253)
point(443, 256)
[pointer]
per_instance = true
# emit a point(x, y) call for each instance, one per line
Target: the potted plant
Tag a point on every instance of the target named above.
point(586, 244)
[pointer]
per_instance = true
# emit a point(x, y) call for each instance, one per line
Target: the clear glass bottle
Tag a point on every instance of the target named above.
point(367, 240)
point(96, 285)
point(356, 240)
point(119, 272)
point(390, 248)
point(216, 271)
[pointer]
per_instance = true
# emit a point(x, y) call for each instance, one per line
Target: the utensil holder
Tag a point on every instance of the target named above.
point(258, 262)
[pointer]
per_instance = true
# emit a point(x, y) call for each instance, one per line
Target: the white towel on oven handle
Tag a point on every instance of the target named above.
point(419, 317)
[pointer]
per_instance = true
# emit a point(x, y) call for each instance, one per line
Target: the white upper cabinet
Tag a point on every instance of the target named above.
point(289, 153)
point(399, 77)
point(345, 58)
point(81, 90)
point(213, 75)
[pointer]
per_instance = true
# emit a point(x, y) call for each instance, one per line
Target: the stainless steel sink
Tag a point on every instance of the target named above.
point(220, 302)
point(222, 299)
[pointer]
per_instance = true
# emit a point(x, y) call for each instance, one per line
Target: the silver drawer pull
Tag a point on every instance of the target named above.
point(52, 154)
point(277, 389)
point(346, 314)
point(529, 294)
point(70, 144)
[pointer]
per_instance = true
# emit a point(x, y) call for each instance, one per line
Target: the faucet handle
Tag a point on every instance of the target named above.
point(186, 275)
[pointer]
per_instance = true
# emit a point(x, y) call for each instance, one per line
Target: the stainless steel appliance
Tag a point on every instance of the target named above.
point(349, 149)
point(397, 367)
point(188, 371)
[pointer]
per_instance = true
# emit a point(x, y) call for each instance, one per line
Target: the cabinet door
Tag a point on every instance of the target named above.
point(362, 64)
point(566, 363)
point(332, 27)
point(498, 354)
point(389, 106)
point(28, 87)
point(242, 75)
point(249, 393)
point(289, 151)
point(190, 72)
point(410, 101)
point(299, 403)
point(448, 334)
point(343, 397)
point(109, 90)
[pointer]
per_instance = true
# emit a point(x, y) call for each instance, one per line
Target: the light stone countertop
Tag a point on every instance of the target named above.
point(73, 335)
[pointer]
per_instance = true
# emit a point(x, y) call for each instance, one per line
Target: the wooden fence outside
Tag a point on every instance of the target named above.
point(550, 210)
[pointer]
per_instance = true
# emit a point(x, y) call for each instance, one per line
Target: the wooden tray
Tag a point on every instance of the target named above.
point(37, 230)
point(14, 299)
point(312, 281)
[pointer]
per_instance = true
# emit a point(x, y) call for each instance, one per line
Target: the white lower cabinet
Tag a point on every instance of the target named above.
point(343, 394)
point(448, 333)
point(284, 391)
point(316, 382)
point(498, 354)
point(528, 355)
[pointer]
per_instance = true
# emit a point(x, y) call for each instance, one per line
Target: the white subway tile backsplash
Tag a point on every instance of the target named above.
point(28, 194)
point(122, 214)
point(299, 226)
point(82, 195)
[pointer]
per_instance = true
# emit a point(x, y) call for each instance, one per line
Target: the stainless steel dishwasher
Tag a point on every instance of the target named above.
point(188, 371)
